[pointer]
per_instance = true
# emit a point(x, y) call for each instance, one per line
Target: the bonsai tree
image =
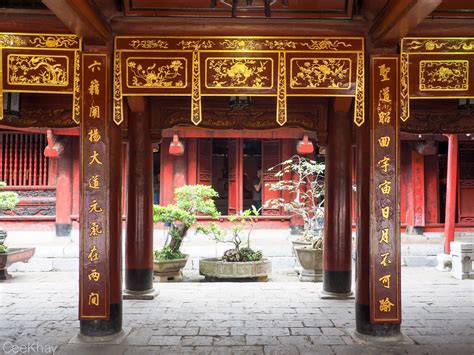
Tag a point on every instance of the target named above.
point(191, 200)
point(8, 201)
point(240, 223)
point(304, 180)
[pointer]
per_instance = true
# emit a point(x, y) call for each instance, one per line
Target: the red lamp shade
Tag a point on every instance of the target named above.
point(176, 147)
point(305, 146)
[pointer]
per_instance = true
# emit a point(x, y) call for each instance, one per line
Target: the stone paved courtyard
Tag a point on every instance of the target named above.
point(238, 318)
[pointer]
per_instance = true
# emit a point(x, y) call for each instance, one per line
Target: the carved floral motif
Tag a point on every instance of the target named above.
point(239, 73)
point(430, 45)
point(444, 75)
point(148, 44)
point(239, 44)
point(27, 69)
point(196, 45)
point(321, 73)
point(157, 76)
point(325, 44)
point(280, 44)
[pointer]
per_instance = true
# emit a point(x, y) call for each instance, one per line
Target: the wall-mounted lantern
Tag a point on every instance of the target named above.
point(305, 146)
point(176, 147)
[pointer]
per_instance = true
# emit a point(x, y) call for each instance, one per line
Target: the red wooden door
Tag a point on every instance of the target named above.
point(235, 175)
point(271, 156)
point(204, 166)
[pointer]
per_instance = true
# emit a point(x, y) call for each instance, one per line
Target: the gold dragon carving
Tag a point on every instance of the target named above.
point(239, 73)
point(26, 69)
point(76, 99)
point(444, 75)
point(158, 76)
point(196, 108)
point(327, 73)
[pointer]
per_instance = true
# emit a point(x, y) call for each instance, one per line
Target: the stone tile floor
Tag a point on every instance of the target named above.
point(40, 310)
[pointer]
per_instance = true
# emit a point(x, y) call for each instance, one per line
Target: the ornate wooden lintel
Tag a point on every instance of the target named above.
point(436, 122)
point(43, 63)
point(239, 66)
point(434, 68)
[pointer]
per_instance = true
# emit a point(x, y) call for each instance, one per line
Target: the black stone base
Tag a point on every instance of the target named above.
point(363, 325)
point(101, 328)
point(139, 279)
point(337, 281)
point(63, 229)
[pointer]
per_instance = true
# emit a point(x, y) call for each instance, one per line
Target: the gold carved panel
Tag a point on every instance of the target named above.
point(437, 75)
point(37, 70)
point(156, 72)
point(239, 73)
point(320, 73)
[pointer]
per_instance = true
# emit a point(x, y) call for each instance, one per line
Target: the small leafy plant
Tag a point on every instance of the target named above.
point(240, 223)
point(8, 201)
point(191, 200)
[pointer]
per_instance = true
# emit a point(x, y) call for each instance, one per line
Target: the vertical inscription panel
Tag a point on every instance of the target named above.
point(94, 279)
point(385, 224)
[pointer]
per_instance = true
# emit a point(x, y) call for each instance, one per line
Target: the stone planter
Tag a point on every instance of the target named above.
point(170, 270)
point(298, 243)
point(213, 268)
point(13, 255)
point(311, 261)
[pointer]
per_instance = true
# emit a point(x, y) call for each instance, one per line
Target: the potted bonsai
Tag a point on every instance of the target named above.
point(191, 200)
point(304, 180)
point(8, 200)
point(239, 262)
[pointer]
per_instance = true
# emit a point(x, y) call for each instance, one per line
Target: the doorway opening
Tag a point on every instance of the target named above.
point(220, 173)
point(252, 151)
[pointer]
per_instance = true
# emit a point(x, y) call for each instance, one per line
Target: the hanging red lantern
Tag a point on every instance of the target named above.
point(176, 147)
point(305, 146)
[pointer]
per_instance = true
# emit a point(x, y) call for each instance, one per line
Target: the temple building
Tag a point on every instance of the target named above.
point(110, 105)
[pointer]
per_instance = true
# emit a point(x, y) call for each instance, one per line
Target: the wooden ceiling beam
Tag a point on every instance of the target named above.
point(398, 19)
point(84, 19)
point(160, 26)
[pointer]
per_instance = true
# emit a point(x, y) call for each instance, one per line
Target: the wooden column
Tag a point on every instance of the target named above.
point(384, 274)
point(362, 297)
point(337, 226)
point(139, 241)
point(64, 191)
point(100, 297)
point(451, 182)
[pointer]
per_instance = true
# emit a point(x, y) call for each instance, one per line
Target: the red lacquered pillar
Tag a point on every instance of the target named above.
point(337, 203)
point(362, 296)
point(451, 182)
point(139, 240)
point(64, 192)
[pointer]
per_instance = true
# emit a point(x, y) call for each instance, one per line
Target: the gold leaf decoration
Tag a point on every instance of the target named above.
point(55, 41)
point(327, 73)
point(196, 45)
point(359, 109)
point(281, 94)
point(118, 104)
point(239, 73)
point(26, 69)
point(155, 75)
point(280, 44)
point(196, 108)
point(444, 75)
point(240, 44)
point(148, 44)
point(325, 44)
point(8, 40)
point(76, 100)
point(404, 95)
